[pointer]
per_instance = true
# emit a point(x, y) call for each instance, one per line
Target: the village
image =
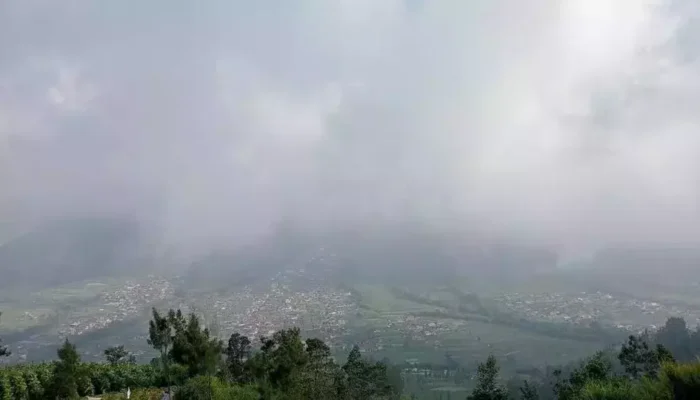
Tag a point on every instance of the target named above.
point(584, 307)
point(253, 312)
point(125, 301)
point(319, 308)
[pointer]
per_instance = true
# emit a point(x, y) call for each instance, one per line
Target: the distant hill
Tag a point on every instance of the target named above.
point(653, 269)
point(393, 254)
point(642, 271)
point(681, 263)
point(69, 250)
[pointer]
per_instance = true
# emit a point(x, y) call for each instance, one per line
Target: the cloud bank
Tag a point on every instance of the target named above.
point(572, 123)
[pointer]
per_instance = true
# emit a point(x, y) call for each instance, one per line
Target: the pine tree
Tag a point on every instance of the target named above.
point(194, 347)
point(487, 386)
point(639, 359)
point(4, 352)
point(119, 355)
point(66, 374)
point(528, 392)
point(160, 337)
point(237, 353)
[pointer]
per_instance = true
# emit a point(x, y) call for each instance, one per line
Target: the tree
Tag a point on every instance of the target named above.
point(284, 356)
point(320, 371)
point(194, 347)
point(597, 368)
point(639, 359)
point(4, 352)
point(487, 386)
point(66, 374)
point(119, 355)
point(365, 379)
point(237, 353)
point(394, 377)
point(19, 385)
point(674, 335)
point(160, 337)
point(695, 342)
point(528, 392)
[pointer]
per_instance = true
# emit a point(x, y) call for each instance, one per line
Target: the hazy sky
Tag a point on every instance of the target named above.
point(573, 122)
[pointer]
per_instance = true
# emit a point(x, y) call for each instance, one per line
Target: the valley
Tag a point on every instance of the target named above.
point(407, 324)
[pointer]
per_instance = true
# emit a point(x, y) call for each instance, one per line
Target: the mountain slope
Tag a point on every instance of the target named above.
point(68, 250)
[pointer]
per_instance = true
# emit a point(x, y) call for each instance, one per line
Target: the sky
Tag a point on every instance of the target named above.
point(570, 123)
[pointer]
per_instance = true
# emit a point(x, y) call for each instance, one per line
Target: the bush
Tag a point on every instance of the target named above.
point(608, 390)
point(240, 393)
point(5, 385)
point(137, 394)
point(200, 387)
point(682, 381)
point(35, 381)
point(676, 382)
point(19, 386)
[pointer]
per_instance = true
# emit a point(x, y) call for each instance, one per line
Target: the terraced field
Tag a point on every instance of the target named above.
point(425, 325)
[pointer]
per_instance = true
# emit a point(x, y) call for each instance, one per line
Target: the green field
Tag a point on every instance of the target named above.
point(25, 310)
point(470, 332)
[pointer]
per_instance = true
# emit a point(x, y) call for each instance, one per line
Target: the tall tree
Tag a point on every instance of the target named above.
point(675, 336)
point(286, 356)
point(695, 342)
point(487, 386)
point(320, 372)
point(597, 368)
point(639, 359)
point(365, 379)
point(66, 373)
point(237, 352)
point(119, 355)
point(528, 392)
point(394, 377)
point(4, 352)
point(278, 366)
point(160, 337)
point(194, 347)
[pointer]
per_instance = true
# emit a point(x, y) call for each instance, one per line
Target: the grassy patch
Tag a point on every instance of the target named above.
point(469, 334)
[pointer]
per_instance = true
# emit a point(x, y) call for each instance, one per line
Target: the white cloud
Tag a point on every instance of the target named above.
point(70, 93)
point(560, 120)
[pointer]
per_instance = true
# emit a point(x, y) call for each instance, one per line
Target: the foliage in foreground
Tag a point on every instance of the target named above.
point(51, 379)
point(212, 388)
point(675, 382)
point(137, 394)
point(287, 367)
point(648, 373)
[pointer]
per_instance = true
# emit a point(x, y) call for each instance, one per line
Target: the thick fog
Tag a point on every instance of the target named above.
point(573, 123)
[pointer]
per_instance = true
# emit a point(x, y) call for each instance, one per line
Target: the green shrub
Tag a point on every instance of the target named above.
point(19, 385)
point(608, 390)
point(5, 385)
point(200, 388)
point(681, 380)
point(136, 394)
point(240, 393)
point(675, 382)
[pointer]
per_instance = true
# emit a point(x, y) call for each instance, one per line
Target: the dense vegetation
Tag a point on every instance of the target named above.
point(284, 366)
point(194, 364)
